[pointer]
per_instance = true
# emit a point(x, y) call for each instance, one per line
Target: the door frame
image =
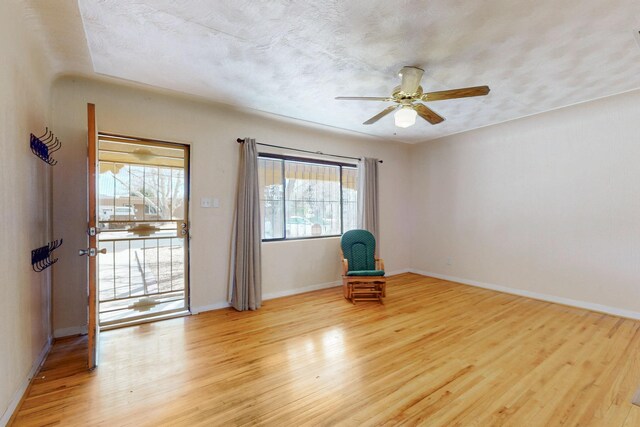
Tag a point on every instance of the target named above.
point(187, 272)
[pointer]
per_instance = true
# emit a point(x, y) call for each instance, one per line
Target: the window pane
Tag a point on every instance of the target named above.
point(312, 199)
point(271, 198)
point(309, 202)
point(106, 191)
point(176, 199)
point(349, 198)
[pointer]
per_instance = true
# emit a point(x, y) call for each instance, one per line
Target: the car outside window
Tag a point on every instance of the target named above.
point(305, 198)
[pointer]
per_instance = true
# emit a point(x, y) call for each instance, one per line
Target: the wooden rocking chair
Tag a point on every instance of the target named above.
point(362, 273)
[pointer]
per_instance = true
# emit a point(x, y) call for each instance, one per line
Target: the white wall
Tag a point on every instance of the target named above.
point(545, 205)
point(24, 205)
point(211, 130)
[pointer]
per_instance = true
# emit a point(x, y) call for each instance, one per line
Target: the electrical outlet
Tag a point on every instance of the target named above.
point(449, 261)
point(206, 202)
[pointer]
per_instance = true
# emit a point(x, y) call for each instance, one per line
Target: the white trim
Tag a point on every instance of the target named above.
point(288, 292)
point(295, 291)
point(68, 332)
point(210, 307)
point(18, 395)
point(396, 272)
point(535, 295)
point(268, 296)
point(273, 295)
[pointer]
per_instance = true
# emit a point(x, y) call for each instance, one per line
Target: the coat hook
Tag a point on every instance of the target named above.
point(41, 257)
point(43, 146)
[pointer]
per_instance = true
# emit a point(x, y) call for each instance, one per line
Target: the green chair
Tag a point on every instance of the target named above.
point(362, 273)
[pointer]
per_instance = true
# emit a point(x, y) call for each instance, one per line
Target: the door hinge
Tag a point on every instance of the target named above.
point(93, 231)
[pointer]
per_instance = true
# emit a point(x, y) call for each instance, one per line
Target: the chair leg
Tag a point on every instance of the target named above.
point(363, 291)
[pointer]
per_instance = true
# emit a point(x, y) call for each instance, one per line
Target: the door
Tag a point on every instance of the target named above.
point(91, 251)
point(143, 220)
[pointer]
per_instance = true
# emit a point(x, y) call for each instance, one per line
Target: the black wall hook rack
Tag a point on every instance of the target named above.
point(41, 257)
point(43, 146)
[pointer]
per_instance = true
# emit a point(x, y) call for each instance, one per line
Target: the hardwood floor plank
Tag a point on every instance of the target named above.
point(436, 353)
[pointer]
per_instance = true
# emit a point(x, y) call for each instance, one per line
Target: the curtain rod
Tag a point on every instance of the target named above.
point(240, 140)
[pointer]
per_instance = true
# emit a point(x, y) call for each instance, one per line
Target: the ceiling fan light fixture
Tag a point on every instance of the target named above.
point(409, 98)
point(405, 117)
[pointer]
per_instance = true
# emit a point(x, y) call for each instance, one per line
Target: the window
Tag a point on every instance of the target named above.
point(301, 198)
point(148, 209)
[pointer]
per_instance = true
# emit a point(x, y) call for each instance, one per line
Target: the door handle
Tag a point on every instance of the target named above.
point(92, 251)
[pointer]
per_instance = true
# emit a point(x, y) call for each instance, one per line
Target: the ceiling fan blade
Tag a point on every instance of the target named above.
point(428, 114)
point(456, 93)
point(363, 98)
point(411, 77)
point(381, 114)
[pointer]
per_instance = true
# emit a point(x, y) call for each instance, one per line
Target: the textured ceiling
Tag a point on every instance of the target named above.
point(293, 58)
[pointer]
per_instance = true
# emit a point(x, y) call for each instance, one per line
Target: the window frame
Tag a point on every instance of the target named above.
point(286, 158)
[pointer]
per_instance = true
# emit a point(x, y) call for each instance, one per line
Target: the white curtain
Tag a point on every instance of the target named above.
point(368, 212)
point(245, 282)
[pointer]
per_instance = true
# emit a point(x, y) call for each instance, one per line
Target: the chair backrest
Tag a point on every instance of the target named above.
point(359, 248)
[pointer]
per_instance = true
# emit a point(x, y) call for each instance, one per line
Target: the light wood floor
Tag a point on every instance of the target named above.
point(437, 353)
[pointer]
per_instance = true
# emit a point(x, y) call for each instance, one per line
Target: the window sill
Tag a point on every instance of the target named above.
point(302, 239)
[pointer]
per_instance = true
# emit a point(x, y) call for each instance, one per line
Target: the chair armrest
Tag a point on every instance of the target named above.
point(379, 264)
point(345, 266)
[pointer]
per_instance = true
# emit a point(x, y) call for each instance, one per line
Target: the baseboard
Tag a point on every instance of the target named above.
point(210, 307)
point(324, 285)
point(267, 296)
point(68, 332)
point(289, 292)
point(396, 272)
point(286, 293)
point(20, 393)
point(535, 295)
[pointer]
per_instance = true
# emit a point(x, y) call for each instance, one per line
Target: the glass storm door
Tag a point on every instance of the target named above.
point(143, 221)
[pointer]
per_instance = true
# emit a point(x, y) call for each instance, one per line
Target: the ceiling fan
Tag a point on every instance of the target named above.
point(407, 95)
